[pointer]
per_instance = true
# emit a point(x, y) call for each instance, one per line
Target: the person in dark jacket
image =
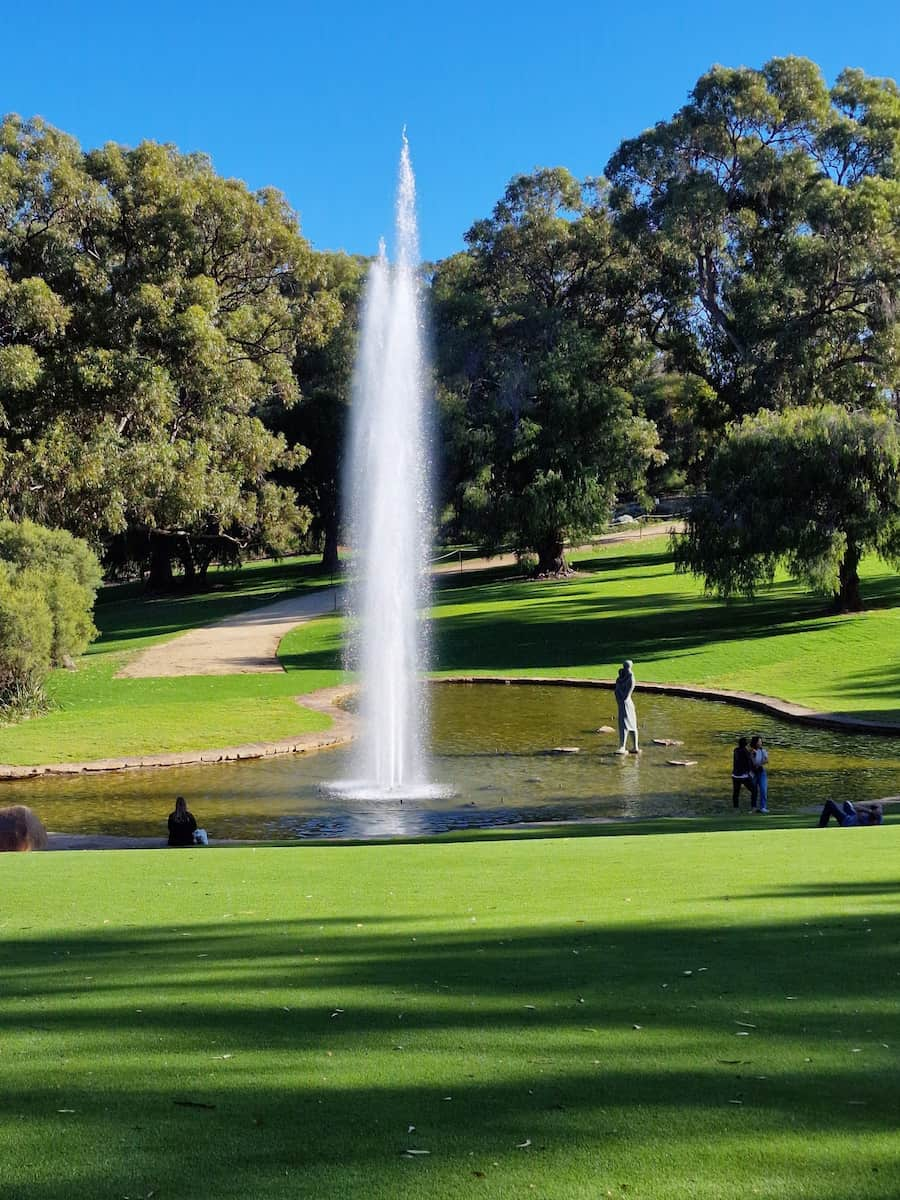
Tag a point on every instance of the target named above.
point(741, 772)
point(181, 824)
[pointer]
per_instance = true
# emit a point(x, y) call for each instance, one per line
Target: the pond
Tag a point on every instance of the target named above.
point(492, 748)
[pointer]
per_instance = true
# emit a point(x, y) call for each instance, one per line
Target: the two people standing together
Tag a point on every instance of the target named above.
point(749, 769)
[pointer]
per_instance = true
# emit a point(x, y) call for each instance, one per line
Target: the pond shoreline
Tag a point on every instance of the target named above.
point(101, 841)
point(342, 730)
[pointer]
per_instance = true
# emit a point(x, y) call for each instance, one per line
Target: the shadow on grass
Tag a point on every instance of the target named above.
point(330, 1046)
point(124, 611)
point(574, 630)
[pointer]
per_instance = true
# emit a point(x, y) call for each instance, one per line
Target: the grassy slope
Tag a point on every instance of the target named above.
point(626, 603)
point(314, 1004)
point(629, 603)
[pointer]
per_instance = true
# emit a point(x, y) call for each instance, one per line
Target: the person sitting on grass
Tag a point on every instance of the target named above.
point(181, 824)
point(849, 817)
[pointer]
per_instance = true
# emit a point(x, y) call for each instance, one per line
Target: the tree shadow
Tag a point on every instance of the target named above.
point(256, 1048)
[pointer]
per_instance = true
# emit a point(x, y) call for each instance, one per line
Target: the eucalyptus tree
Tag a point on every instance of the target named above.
point(537, 351)
point(764, 215)
point(149, 311)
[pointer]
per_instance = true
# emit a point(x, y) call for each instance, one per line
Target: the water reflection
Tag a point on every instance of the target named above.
point(495, 746)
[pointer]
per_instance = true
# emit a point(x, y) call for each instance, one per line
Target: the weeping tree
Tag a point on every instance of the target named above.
point(811, 488)
point(537, 354)
point(150, 311)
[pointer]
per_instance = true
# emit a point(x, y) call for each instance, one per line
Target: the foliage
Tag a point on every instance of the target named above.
point(764, 220)
point(537, 351)
point(148, 310)
point(48, 581)
point(324, 374)
point(813, 487)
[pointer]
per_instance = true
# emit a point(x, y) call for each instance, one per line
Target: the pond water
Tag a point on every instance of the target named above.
point(491, 748)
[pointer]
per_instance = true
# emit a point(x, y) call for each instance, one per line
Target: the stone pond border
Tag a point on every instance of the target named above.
point(327, 700)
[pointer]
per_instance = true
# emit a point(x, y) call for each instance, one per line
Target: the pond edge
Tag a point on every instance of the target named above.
point(342, 730)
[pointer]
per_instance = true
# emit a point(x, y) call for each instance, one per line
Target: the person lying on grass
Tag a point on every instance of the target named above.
point(848, 817)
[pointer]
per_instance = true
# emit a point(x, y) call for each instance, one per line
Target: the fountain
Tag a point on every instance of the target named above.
point(389, 515)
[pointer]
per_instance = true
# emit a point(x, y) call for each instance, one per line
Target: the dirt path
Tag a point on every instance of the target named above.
point(247, 644)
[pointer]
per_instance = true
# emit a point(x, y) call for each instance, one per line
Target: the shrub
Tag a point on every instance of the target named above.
point(48, 583)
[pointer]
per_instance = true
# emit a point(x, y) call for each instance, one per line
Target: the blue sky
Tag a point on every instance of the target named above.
point(311, 98)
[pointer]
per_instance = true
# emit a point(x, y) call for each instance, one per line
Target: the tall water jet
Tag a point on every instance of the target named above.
point(390, 515)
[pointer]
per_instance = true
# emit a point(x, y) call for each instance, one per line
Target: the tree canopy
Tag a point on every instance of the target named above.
point(813, 488)
point(537, 351)
point(148, 310)
point(764, 219)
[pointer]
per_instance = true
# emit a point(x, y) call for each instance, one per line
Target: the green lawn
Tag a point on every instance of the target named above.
point(707, 1016)
point(626, 602)
point(96, 715)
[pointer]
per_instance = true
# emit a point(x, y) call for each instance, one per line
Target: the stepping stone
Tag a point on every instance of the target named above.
point(666, 742)
point(682, 762)
point(565, 750)
point(606, 729)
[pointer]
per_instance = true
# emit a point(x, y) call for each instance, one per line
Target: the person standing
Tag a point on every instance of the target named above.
point(759, 758)
point(741, 772)
point(181, 824)
point(624, 690)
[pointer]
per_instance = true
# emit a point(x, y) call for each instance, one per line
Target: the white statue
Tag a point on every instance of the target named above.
point(627, 716)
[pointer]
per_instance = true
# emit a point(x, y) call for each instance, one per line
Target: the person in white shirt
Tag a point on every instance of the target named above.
point(760, 759)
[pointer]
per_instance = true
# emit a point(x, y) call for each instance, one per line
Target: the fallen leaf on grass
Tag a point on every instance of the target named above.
point(412, 1129)
point(223, 1056)
point(337, 1012)
point(523, 1145)
point(746, 1024)
point(65, 1110)
point(415, 1153)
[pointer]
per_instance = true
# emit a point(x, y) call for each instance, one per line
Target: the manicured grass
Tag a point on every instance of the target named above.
point(97, 716)
point(627, 602)
point(559, 1018)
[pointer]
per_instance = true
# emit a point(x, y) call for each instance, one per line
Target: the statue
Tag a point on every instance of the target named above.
point(627, 716)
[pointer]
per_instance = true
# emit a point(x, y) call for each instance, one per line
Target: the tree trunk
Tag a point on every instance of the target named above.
point(160, 576)
point(849, 598)
point(330, 560)
point(186, 558)
point(551, 556)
